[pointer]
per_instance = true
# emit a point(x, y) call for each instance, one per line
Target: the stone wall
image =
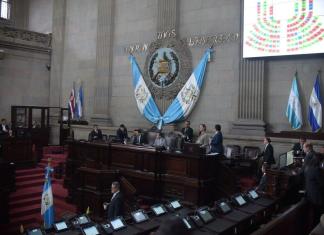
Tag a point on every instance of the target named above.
point(40, 14)
point(24, 79)
point(138, 21)
point(88, 45)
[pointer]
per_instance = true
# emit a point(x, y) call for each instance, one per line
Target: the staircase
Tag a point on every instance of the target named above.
point(25, 202)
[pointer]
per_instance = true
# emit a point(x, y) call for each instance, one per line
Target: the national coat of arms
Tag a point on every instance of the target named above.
point(168, 67)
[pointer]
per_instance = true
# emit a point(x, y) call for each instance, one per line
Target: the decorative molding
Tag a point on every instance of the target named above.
point(215, 40)
point(24, 39)
point(168, 15)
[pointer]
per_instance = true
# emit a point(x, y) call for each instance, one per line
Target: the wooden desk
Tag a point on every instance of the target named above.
point(282, 184)
point(191, 178)
point(294, 221)
point(19, 151)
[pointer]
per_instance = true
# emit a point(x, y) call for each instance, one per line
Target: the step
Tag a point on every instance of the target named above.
point(59, 191)
point(23, 220)
point(32, 183)
point(26, 210)
point(50, 149)
point(24, 202)
point(31, 171)
point(54, 162)
point(29, 177)
point(54, 156)
point(26, 192)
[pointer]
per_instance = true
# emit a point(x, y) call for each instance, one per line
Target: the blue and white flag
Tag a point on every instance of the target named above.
point(294, 113)
point(182, 105)
point(79, 103)
point(187, 97)
point(71, 103)
point(315, 107)
point(143, 96)
point(47, 210)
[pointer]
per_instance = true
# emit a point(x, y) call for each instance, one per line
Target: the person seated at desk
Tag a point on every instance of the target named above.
point(35, 125)
point(263, 181)
point(298, 147)
point(116, 204)
point(187, 132)
point(173, 139)
point(267, 153)
point(95, 134)
point(203, 138)
point(4, 130)
point(216, 144)
point(160, 142)
point(137, 137)
point(122, 134)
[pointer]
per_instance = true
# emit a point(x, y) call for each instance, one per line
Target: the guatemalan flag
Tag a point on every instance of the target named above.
point(47, 210)
point(187, 97)
point(79, 103)
point(72, 102)
point(294, 113)
point(315, 107)
point(143, 96)
point(182, 105)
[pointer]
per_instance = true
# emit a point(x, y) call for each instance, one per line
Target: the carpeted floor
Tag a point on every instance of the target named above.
point(25, 203)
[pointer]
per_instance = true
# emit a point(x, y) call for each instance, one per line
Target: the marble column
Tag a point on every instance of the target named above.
point(102, 83)
point(59, 13)
point(55, 96)
point(250, 118)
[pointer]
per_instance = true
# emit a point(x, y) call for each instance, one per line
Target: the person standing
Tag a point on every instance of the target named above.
point(314, 186)
point(203, 138)
point(309, 153)
point(298, 147)
point(116, 204)
point(267, 153)
point(122, 134)
point(187, 132)
point(216, 144)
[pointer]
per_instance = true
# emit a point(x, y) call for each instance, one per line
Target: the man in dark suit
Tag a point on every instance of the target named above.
point(4, 129)
point(310, 154)
point(216, 145)
point(314, 186)
point(115, 207)
point(267, 153)
point(263, 181)
point(137, 137)
point(187, 132)
point(95, 134)
point(122, 134)
point(298, 147)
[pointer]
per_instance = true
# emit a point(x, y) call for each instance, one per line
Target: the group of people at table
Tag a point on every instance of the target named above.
point(170, 141)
